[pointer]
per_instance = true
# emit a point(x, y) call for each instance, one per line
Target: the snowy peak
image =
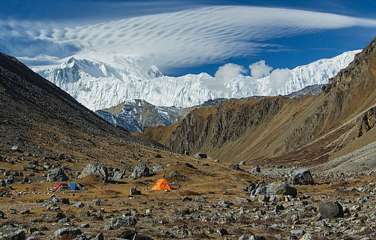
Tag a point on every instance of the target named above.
point(100, 82)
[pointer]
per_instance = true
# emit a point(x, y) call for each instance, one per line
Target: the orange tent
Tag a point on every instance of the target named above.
point(161, 184)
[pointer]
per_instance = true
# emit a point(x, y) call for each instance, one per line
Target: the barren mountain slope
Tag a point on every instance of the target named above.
point(305, 129)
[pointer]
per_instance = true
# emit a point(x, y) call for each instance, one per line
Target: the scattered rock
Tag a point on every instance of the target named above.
point(222, 232)
point(2, 215)
point(200, 155)
point(67, 233)
point(79, 205)
point(14, 148)
point(331, 210)
point(302, 177)
point(141, 170)
point(97, 170)
point(256, 169)
point(12, 232)
point(117, 175)
point(122, 221)
point(134, 191)
point(251, 237)
point(56, 174)
point(281, 189)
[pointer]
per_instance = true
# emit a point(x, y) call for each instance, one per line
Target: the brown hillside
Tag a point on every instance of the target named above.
point(306, 129)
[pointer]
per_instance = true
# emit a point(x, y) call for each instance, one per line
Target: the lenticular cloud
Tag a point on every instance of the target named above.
point(182, 38)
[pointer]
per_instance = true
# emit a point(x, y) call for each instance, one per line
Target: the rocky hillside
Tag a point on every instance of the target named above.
point(305, 129)
point(136, 115)
point(39, 118)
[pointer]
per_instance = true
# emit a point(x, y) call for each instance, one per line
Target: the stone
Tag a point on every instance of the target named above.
point(56, 174)
point(133, 235)
point(251, 237)
point(256, 169)
point(99, 236)
point(97, 170)
point(297, 232)
point(79, 205)
point(67, 233)
point(2, 215)
point(12, 232)
point(25, 211)
point(122, 221)
point(141, 170)
point(306, 236)
point(157, 168)
point(201, 155)
point(222, 232)
point(134, 191)
point(281, 189)
point(117, 176)
point(302, 177)
point(331, 210)
point(84, 225)
point(14, 148)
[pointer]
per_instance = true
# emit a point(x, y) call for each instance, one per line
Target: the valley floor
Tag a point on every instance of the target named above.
point(210, 201)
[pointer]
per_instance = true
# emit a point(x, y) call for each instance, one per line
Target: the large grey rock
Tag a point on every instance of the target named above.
point(141, 170)
point(117, 175)
point(281, 189)
point(12, 232)
point(67, 233)
point(56, 174)
point(330, 210)
point(96, 170)
point(302, 177)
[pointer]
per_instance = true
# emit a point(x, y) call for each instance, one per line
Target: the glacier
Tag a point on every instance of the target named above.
point(100, 82)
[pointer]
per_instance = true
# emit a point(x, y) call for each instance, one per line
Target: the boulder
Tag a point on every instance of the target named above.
point(67, 233)
point(117, 175)
point(302, 177)
point(281, 189)
point(331, 210)
point(141, 170)
point(56, 174)
point(12, 232)
point(97, 170)
point(201, 155)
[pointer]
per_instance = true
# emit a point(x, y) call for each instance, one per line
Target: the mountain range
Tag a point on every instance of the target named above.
point(302, 129)
point(99, 85)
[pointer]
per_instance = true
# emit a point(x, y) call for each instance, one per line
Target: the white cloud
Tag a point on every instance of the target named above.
point(224, 75)
point(279, 78)
point(229, 71)
point(260, 69)
point(189, 37)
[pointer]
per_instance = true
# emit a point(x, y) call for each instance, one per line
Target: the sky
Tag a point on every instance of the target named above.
point(183, 37)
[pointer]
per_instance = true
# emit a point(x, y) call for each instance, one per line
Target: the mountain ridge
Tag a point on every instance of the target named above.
point(304, 130)
point(104, 85)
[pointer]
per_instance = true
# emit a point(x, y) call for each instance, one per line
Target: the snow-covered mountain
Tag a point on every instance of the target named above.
point(135, 115)
point(100, 83)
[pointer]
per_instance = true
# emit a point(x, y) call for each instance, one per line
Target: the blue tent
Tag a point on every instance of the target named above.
point(73, 186)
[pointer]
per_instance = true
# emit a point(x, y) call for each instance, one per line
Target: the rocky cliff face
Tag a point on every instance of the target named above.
point(136, 115)
point(311, 128)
